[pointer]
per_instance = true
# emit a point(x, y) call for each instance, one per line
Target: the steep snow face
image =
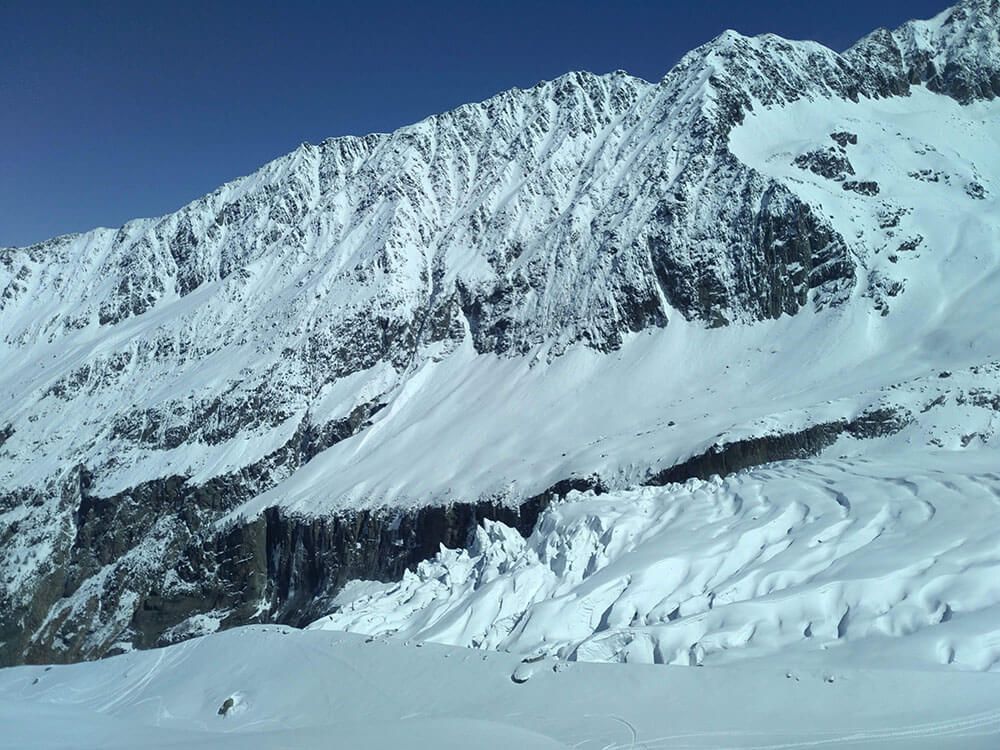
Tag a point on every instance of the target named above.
point(598, 275)
point(912, 184)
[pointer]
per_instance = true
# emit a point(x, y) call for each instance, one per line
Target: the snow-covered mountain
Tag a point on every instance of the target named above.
point(322, 371)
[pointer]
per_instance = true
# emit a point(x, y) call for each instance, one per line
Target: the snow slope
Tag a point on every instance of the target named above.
point(303, 690)
point(514, 426)
point(369, 271)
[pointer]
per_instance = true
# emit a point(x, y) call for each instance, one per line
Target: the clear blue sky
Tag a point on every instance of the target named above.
point(114, 110)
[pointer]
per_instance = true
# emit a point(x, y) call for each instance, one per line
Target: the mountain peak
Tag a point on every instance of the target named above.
point(957, 52)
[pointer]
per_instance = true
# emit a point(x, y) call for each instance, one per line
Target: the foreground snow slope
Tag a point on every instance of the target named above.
point(303, 690)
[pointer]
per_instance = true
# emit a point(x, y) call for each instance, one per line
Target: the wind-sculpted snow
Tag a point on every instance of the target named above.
point(584, 283)
point(891, 561)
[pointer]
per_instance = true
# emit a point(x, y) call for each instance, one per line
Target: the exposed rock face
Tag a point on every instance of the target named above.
point(954, 53)
point(167, 371)
point(742, 454)
point(192, 578)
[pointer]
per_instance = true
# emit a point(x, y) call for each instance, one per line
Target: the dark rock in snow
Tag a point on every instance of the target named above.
point(829, 163)
point(844, 138)
point(862, 187)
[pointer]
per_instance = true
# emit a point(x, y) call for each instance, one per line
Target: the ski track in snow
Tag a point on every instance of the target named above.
point(966, 726)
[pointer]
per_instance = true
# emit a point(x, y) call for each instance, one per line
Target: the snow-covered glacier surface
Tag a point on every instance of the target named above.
point(888, 559)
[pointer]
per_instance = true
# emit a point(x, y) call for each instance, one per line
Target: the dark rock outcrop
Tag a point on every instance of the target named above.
point(861, 187)
point(728, 458)
point(115, 587)
point(831, 163)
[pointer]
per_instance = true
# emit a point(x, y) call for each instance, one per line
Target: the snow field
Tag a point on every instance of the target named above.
point(313, 689)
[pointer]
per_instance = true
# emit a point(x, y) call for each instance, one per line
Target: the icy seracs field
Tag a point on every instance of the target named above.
point(890, 560)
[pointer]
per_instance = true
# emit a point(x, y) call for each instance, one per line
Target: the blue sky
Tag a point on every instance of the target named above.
point(114, 110)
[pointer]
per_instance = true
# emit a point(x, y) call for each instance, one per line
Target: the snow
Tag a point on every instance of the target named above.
point(848, 599)
point(888, 559)
point(464, 426)
point(713, 383)
point(881, 551)
point(527, 188)
point(316, 689)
